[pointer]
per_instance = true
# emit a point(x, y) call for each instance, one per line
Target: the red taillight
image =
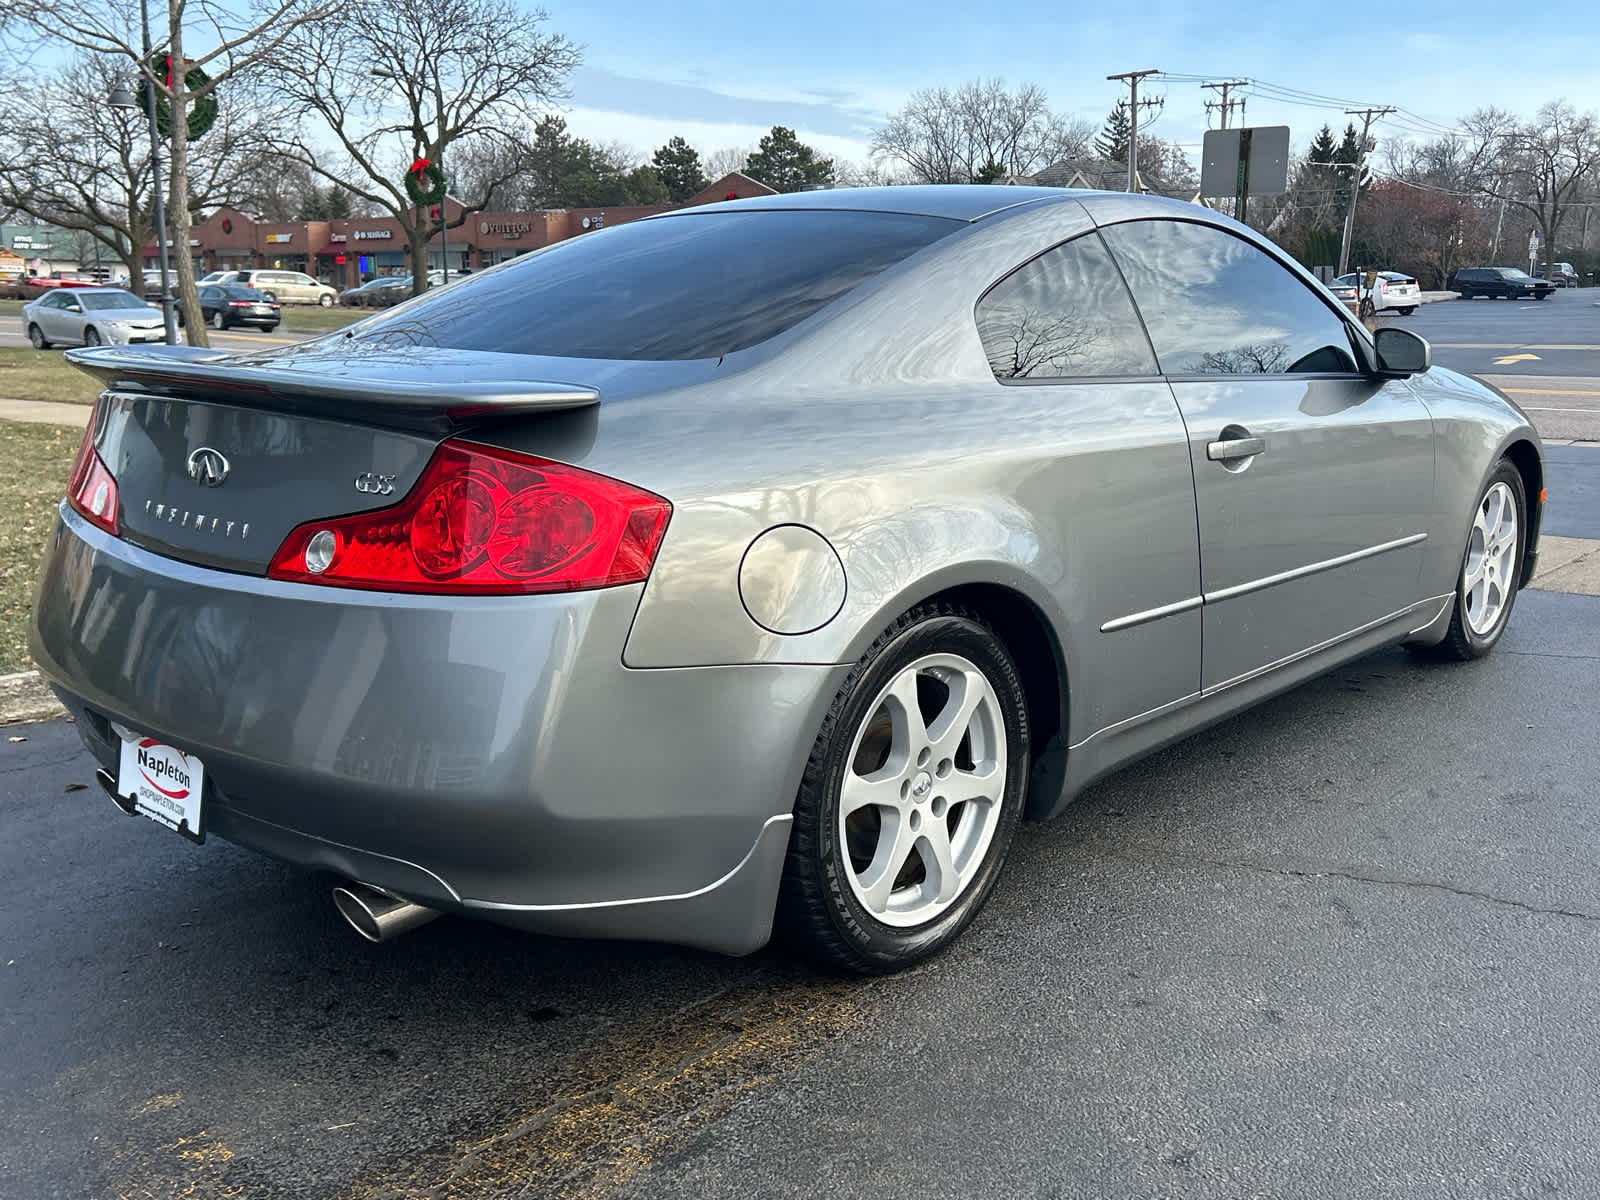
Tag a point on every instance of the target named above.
point(240, 303)
point(91, 488)
point(490, 522)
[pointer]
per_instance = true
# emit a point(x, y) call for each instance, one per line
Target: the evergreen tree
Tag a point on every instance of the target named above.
point(643, 185)
point(1323, 148)
point(989, 172)
point(786, 164)
point(1113, 141)
point(677, 166)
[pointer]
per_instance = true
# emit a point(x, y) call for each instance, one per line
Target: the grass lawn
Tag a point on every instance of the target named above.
point(29, 374)
point(28, 501)
point(308, 318)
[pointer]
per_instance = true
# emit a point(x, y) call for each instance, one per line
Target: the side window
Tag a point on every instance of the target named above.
point(1216, 305)
point(1064, 315)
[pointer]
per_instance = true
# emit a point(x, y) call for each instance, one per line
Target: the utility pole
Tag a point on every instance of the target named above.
point(1131, 78)
point(1367, 115)
point(1226, 105)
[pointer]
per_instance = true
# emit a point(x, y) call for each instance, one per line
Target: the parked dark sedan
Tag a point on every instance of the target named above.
point(1505, 283)
point(761, 565)
point(367, 295)
point(224, 305)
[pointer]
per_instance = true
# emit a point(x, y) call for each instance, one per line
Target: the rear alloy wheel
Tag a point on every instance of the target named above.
point(218, 321)
point(36, 336)
point(271, 299)
point(911, 797)
point(1486, 587)
point(91, 336)
point(325, 300)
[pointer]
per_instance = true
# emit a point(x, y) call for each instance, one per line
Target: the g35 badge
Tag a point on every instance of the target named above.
point(374, 484)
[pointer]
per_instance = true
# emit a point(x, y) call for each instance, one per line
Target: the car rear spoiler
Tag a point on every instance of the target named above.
point(390, 391)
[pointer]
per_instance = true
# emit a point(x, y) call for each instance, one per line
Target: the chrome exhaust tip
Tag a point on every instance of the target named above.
point(109, 785)
point(378, 916)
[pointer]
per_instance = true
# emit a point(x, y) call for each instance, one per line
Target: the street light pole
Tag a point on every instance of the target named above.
point(168, 315)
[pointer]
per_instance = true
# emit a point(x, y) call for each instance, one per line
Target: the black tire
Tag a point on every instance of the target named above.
point(91, 336)
point(268, 328)
point(218, 320)
point(1463, 642)
point(1544, 295)
point(819, 911)
point(1407, 310)
point(324, 301)
point(36, 336)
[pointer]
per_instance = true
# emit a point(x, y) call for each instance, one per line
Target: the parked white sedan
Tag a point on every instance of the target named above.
point(97, 316)
point(1390, 290)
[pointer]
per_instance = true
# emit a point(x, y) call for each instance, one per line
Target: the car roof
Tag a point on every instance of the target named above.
point(98, 289)
point(957, 201)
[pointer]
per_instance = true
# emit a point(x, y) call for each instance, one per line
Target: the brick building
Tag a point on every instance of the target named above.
point(345, 252)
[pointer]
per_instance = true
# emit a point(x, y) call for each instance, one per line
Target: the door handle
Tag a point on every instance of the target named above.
point(1231, 448)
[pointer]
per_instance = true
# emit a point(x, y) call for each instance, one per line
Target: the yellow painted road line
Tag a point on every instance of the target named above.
point(1503, 346)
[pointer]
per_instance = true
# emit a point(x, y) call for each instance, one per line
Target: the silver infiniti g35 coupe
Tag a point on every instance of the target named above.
point(759, 565)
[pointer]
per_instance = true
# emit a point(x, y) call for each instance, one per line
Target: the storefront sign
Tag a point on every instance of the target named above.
point(336, 237)
point(364, 234)
point(506, 229)
point(279, 237)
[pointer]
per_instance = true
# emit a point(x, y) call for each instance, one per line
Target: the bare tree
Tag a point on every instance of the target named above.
point(978, 132)
point(727, 160)
point(396, 85)
point(1542, 167)
point(114, 28)
point(88, 165)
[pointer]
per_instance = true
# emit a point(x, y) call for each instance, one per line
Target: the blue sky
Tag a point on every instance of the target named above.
point(722, 74)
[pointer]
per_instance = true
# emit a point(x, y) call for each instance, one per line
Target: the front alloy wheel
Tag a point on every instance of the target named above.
point(91, 336)
point(912, 795)
point(1486, 586)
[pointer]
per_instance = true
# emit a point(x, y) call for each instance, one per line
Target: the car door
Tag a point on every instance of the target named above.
point(67, 316)
point(1064, 342)
point(1313, 480)
point(210, 299)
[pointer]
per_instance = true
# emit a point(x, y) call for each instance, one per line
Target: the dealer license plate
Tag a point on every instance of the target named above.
point(164, 784)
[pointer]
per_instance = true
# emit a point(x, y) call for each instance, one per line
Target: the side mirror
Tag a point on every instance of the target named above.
point(1401, 352)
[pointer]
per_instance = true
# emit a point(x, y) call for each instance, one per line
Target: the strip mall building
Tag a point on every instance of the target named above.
point(346, 252)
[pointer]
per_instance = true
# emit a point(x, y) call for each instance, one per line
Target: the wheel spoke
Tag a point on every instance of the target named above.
point(910, 730)
point(934, 846)
point(895, 842)
point(881, 789)
point(983, 784)
point(1473, 575)
point(967, 691)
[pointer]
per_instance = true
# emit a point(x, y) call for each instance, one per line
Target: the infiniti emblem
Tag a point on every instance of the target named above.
point(208, 467)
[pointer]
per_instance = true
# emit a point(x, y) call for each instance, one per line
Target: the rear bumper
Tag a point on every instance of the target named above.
point(488, 755)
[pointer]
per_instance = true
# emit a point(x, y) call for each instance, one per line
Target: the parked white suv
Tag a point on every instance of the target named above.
point(1391, 289)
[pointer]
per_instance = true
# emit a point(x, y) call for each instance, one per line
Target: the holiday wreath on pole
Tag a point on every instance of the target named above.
point(425, 182)
point(202, 109)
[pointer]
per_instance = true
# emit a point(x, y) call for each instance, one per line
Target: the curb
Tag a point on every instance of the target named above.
point(25, 696)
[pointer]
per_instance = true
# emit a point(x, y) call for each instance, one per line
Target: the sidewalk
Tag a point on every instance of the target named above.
point(44, 412)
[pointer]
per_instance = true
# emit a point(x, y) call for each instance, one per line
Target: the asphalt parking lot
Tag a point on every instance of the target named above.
point(1339, 946)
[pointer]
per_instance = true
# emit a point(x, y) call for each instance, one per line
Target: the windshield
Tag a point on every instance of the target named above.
point(698, 285)
point(105, 300)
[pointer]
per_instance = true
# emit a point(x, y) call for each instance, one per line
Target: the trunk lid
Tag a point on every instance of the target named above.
point(217, 457)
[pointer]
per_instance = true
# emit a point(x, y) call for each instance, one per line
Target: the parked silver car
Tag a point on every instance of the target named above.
point(91, 316)
point(759, 563)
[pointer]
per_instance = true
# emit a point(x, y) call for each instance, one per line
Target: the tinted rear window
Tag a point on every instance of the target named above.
point(698, 285)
